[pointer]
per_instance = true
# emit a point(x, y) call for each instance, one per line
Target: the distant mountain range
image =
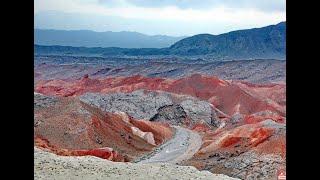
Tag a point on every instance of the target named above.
point(266, 42)
point(259, 43)
point(85, 38)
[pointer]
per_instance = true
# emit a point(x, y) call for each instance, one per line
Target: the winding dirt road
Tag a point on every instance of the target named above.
point(182, 146)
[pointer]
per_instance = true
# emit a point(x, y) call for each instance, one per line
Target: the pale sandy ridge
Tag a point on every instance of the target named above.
point(50, 166)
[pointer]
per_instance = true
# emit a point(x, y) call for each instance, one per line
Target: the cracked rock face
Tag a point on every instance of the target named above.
point(42, 101)
point(250, 165)
point(174, 114)
point(245, 165)
point(199, 111)
point(155, 106)
point(137, 104)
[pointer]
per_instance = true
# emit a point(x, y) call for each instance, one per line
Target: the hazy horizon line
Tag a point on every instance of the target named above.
point(39, 28)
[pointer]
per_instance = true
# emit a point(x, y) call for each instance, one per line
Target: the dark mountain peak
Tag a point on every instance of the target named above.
point(265, 42)
point(203, 35)
point(283, 23)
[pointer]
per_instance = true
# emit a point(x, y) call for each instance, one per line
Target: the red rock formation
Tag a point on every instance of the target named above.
point(230, 141)
point(82, 129)
point(104, 153)
point(199, 127)
point(160, 134)
point(258, 117)
point(247, 136)
point(260, 127)
point(229, 97)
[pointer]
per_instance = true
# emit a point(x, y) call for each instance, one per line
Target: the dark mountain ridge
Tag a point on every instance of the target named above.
point(87, 38)
point(266, 42)
point(258, 43)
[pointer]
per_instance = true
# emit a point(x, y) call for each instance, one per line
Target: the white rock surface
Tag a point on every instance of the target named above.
point(147, 136)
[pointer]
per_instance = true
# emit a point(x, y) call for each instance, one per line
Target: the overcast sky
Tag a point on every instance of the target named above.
point(166, 17)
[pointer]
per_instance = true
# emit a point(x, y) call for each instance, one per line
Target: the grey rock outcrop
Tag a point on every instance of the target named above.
point(174, 114)
point(41, 100)
point(137, 104)
point(155, 106)
point(236, 118)
point(252, 166)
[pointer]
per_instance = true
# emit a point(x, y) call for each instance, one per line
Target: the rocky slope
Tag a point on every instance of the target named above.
point(242, 125)
point(266, 42)
point(50, 166)
point(64, 67)
point(156, 106)
point(245, 151)
point(229, 97)
point(68, 126)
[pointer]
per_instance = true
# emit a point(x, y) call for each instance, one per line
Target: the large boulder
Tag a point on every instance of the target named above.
point(174, 114)
point(199, 111)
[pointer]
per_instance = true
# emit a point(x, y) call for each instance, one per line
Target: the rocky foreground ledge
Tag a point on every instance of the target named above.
point(51, 166)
